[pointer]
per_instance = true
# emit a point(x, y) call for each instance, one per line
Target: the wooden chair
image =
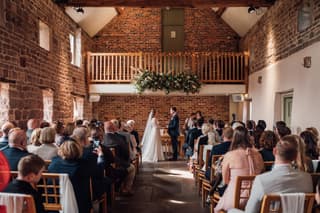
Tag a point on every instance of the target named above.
point(243, 190)
point(47, 162)
point(271, 203)
point(49, 186)
point(28, 202)
point(315, 177)
point(205, 184)
point(199, 163)
point(268, 165)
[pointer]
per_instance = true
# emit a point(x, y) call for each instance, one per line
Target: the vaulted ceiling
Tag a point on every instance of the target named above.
point(97, 13)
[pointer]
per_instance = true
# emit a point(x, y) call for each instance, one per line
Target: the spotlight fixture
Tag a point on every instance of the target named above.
point(79, 10)
point(251, 9)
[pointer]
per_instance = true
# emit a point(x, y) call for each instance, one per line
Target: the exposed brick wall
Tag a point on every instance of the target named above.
point(276, 35)
point(140, 30)
point(138, 108)
point(31, 68)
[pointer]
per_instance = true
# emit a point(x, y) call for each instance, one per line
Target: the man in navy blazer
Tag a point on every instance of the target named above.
point(173, 131)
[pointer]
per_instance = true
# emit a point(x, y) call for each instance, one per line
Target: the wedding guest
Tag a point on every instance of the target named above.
point(268, 141)
point(17, 147)
point(302, 162)
point(282, 179)
point(310, 144)
point(6, 127)
point(220, 149)
point(30, 170)
point(242, 159)
point(34, 141)
point(44, 124)
point(316, 208)
point(48, 149)
point(31, 125)
point(133, 131)
point(59, 127)
point(69, 161)
point(188, 123)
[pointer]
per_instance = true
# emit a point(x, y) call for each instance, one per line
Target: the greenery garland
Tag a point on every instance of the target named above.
point(168, 82)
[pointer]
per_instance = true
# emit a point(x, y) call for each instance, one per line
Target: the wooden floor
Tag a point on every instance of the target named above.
point(165, 187)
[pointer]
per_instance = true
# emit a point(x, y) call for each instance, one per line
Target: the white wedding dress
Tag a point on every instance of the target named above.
point(151, 142)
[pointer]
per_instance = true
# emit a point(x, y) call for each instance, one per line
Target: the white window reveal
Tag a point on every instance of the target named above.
point(44, 35)
point(47, 105)
point(4, 102)
point(75, 47)
point(78, 103)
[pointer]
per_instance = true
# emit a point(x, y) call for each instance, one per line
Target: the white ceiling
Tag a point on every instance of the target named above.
point(95, 18)
point(240, 20)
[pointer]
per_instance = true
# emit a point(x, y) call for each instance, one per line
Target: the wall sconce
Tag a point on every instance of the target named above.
point(173, 34)
point(307, 62)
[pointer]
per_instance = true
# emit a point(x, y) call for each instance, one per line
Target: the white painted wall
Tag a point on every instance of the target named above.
point(285, 75)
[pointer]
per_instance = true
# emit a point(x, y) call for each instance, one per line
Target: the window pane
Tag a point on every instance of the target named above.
point(44, 36)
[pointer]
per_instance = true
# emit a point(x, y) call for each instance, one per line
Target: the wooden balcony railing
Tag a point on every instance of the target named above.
point(211, 67)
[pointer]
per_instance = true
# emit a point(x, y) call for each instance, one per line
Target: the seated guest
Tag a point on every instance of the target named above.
point(282, 179)
point(30, 170)
point(219, 124)
point(34, 141)
point(302, 162)
point(69, 162)
point(257, 135)
point(263, 124)
point(6, 127)
point(220, 149)
point(188, 123)
point(122, 158)
point(17, 147)
point(48, 149)
point(67, 132)
point(242, 159)
point(310, 144)
point(44, 124)
point(194, 133)
point(268, 141)
point(31, 125)
point(59, 127)
point(134, 132)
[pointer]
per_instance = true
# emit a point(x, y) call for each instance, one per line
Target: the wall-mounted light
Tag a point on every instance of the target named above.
point(307, 62)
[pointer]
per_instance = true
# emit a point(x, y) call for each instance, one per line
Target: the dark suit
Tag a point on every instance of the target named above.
point(122, 158)
point(13, 156)
point(173, 131)
point(219, 149)
point(79, 177)
point(23, 187)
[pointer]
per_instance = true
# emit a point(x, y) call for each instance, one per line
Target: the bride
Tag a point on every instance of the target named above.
point(151, 140)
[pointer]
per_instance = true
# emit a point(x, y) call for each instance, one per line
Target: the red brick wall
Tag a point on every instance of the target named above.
point(138, 108)
point(276, 35)
point(31, 68)
point(139, 29)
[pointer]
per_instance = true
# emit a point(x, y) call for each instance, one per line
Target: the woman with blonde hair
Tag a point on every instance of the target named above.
point(34, 141)
point(69, 161)
point(48, 149)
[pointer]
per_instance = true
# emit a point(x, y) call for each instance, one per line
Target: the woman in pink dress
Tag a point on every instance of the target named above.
point(242, 159)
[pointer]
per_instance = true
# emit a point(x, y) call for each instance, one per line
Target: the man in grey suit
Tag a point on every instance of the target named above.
point(282, 179)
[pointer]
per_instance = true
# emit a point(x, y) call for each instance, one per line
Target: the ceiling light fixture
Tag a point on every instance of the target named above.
point(251, 9)
point(79, 10)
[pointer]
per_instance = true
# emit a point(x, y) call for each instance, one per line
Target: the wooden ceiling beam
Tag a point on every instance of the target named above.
point(166, 3)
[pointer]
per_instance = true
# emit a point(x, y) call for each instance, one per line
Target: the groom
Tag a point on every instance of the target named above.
point(173, 131)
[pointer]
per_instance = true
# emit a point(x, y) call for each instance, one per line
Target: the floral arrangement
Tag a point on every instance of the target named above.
point(168, 82)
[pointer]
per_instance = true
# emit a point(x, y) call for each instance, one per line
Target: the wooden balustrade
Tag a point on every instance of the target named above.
point(211, 67)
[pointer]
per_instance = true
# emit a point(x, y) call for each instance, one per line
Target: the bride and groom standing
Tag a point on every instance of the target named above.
point(151, 140)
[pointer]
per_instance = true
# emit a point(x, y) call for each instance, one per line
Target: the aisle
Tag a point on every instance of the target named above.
point(165, 187)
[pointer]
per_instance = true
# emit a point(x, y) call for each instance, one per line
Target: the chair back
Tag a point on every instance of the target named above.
point(243, 190)
point(315, 177)
point(271, 203)
point(199, 159)
point(268, 165)
point(49, 187)
point(208, 153)
point(12, 200)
